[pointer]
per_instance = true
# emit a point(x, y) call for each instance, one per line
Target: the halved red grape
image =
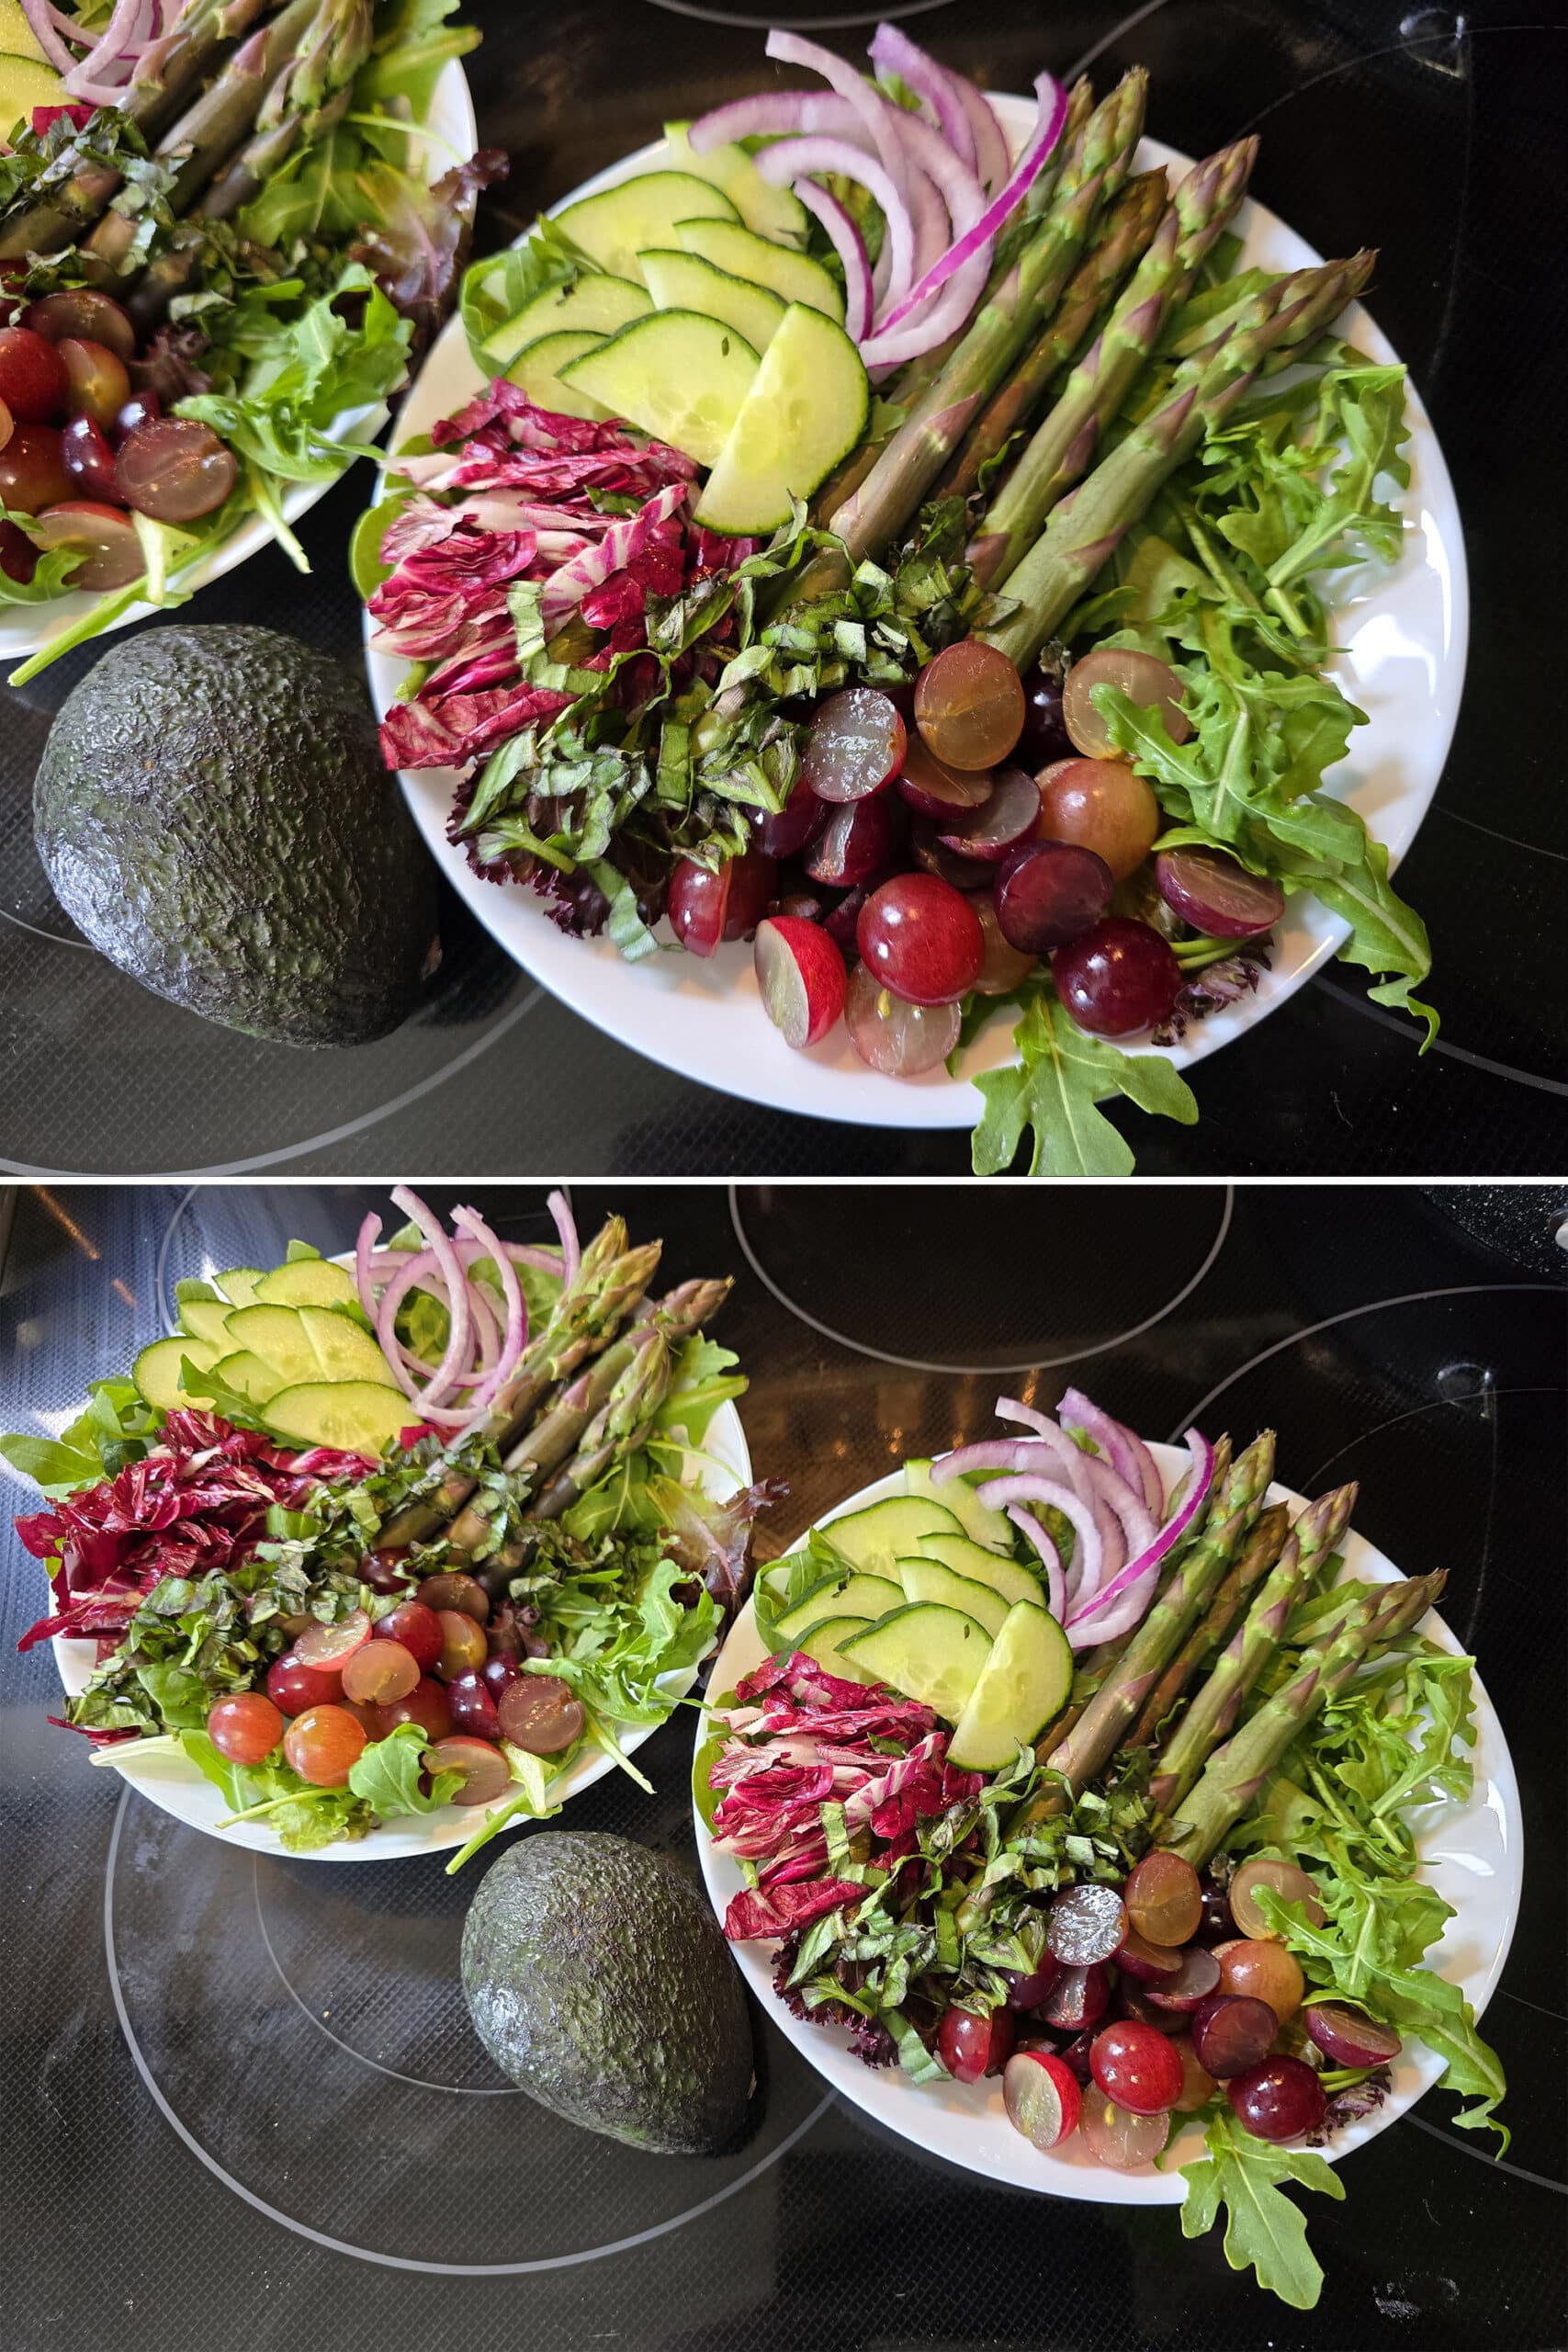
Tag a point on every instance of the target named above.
point(83, 312)
point(1041, 2097)
point(427, 1705)
point(1214, 892)
point(1283, 1880)
point(141, 408)
point(854, 745)
point(752, 880)
point(932, 855)
point(1086, 1925)
point(970, 2045)
point(1118, 978)
point(32, 376)
point(969, 705)
point(1133, 2000)
point(18, 557)
point(175, 470)
point(1004, 965)
point(801, 977)
point(1231, 2032)
point(454, 1590)
point(1103, 806)
point(892, 1035)
point(96, 382)
point(937, 790)
point(1164, 1898)
point(1136, 2066)
point(1142, 678)
point(707, 908)
point(784, 833)
point(1147, 1963)
point(417, 1626)
point(380, 1673)
point(1045, 738)
point(32, 472)
point(1075, 2057)
point(921, 938)
point(332, 1645)
point(486, 1773)
point(841, 918)
point(245, 1727)
point(104, 536)
point(7, 425)
point(1007, 817)
point(1079, 1997)
point(1349, 2036)
point(539, 1712)
point(500, 1668)
point(1115, 2136)
point(323, 1744)
point(1049, 893)
point(1027, 1992)
point(1198, 1976)
point(1279, 2101)
point(1266, 1972)
point(473, 1705)
point(368, 1716)
point(295, 1687)
point(388, 1570)
point(462, 1644)
point(853, 844)
point(88, 459)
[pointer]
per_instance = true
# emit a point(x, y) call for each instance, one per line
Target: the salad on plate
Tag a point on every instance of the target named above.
point(1097, 1790)
point(226, 228)
point(916, 557)
point(362, 1543)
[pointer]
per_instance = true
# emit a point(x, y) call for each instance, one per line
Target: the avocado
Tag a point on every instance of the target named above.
point(599, 1982)
point(214, 813)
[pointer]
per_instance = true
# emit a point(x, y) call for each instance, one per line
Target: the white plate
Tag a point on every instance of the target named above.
point(24, 628)
point(1473, 1854)
point(1404, 633)
point(174, 1783)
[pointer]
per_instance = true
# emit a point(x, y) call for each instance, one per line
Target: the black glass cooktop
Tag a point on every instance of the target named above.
point(242, 2105)
point(1435, 133)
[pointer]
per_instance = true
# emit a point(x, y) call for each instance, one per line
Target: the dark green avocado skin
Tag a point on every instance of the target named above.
point(213, 812)
point(599, 1982)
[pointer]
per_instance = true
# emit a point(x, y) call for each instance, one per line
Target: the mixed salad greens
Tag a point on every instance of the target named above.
point(1150, 1858)
point(469, 1544)
point(914, 560)
point(226, 228)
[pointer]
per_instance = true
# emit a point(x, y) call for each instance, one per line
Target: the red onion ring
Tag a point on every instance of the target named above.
point(565, 1226)
point(1142, 1572)
point(1126, 1452)
point(452, 1275)
point(40, 19)
point(879, 119)
point(1051, 113)
point(992, 156)
point(792, 159)
point(849, 246)
point(894, 52)
point(510, 1343)
point(1050, 1558)
point(1087, 1554)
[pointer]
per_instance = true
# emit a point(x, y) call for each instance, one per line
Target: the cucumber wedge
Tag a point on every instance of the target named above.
point(156, 1371)
point(804, 413)
point(341, 1349)
point(593, 300)
point(925, 1580)
point(772, 212)
point(972, 1560)
point(866, 1598)
point(980, 1522)
point(1024, 1682)
point(355, 1415)
point(612, 228)
point(821, 1642)
point(793, 277)
point(930, 1652)
point(308, 1282)
point(882, 1534)
point(249, 1374)
point(537, 370)
point(239, 1284)
point(277, 1336)
point(205, 1319)
point(680, 377)
point(682, 281)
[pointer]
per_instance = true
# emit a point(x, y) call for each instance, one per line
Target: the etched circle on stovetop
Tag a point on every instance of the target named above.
point(1020, 1280)
point(304, 2033)
point(800, 17)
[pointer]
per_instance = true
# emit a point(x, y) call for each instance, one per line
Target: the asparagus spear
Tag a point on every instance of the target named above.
point(1235, 1772)
point(1063, 443)
point(1258, 1556)
point(1128, 226)
point(622, 1424)
point(1216, 1703)
point(1086, 525)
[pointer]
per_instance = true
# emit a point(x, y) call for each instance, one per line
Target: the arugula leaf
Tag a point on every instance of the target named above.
point(1264, 2232)
point(496, 289)
point(704, 1379)
point(117, 1427)
point(304, 1817)
point(1061, 1075)
point(532, 1802)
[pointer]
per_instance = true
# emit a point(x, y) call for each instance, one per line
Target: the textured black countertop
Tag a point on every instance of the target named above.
point(1433, 133)
point(242, 2105)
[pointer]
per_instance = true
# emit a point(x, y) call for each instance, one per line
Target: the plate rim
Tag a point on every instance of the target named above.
point(934, 1102)
point(1089, 2183)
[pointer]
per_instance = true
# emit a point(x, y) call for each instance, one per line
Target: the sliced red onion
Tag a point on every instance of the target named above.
point(364, 1262)
point(931, 220)
point(1138, 1522)
point(435, 1232)
point(879, 119)
point(129, 27)
point(1140, 1574)
point(889, 346)
point(849, 246)
point(778, 111)
point(515, 1336)
point(1050, 1558)
point(992, 154)
point(565, 1226)
point(894, 52)
point(1032, 1488)
point(793, 159)
point(1051, 113)
point(1127, 1454)
point(1029, 1416)
point(522, 1253)
point(994, 1454)
point(40, 20)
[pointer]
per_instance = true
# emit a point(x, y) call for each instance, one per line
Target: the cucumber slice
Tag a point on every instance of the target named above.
point(308, 1282)
point(682, 281)
point(612, 228)
point(156, 1371)
point(249, 1374)
point(804, 413)
point(821, 1642)
point(772, 212)
point(930, 1652)
point(342, 1350)
point(793, 277)
point(866, 1598)
point(277, 1336)
point(239, 1284)
point(928, 1580)
point(1025, 1682)
point(206, 1319)
point(882, 1534)
point(972, 1560)
point(537, 370)
point(681, 376)
point(981, 1523)
point(355, 1415)
point(593, 300)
